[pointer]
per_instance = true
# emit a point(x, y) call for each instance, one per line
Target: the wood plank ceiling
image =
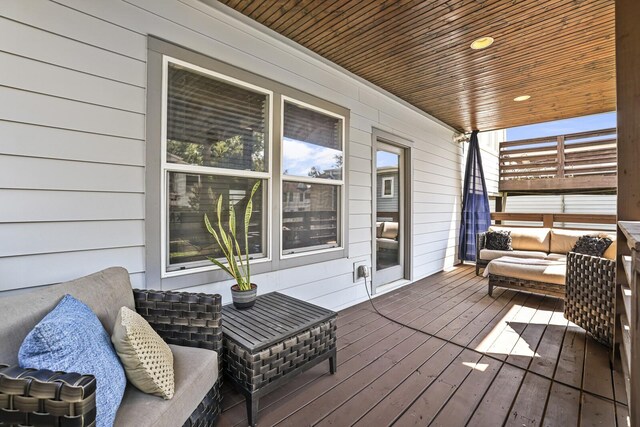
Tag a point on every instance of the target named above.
point(560, 52)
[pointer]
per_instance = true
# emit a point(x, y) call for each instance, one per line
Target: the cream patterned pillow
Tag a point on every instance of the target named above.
point(147, 359)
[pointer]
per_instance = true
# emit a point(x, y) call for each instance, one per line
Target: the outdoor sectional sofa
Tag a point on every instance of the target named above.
point(189, 323)
point(542, 262)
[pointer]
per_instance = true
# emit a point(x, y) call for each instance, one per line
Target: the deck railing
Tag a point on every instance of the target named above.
point(556, 220)
point(585, 160)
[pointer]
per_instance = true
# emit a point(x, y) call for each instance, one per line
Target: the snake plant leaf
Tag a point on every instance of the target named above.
point(232, 221)
point(221, 265)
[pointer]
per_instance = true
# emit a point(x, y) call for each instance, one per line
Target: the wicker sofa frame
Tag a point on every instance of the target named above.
point(551, 289)
point(591, 295)
point(41, 397)
point(480, 242)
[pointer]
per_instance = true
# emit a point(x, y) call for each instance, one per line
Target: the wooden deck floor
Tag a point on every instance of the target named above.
point(391, 375)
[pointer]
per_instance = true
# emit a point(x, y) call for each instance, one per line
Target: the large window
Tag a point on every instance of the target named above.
point(312, 163)
point(213, 130)
point(217, 133)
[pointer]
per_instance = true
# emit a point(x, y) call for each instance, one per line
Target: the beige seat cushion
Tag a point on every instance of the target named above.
point(527, 239)
point(147, 359)
point(489, 254)
point(379, 226)
point(196, 371)
point(556, 257)
point(552, 272)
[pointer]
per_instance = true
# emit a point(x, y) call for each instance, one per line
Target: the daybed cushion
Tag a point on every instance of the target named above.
point(196, 370)
point(563, 241)
point(489, 254)
point(553, 273)
point(104, 292)
point(527, 239)
point(556, 257)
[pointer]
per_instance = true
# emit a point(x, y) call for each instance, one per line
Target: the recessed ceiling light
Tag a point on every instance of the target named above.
point(482, 43)
point(521, 98)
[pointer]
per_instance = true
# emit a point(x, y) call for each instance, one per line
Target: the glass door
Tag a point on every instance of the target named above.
point(390, 218)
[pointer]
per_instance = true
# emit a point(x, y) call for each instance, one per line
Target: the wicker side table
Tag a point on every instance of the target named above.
point(279, 337)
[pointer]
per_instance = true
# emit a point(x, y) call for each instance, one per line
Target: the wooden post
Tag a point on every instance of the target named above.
point(547, 220)
point(501, 202)
point(628, 113)
point(560, 145)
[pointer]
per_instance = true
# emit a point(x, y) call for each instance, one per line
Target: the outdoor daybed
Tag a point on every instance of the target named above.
point(552, 244)
point(542, 262)
point(185, 321)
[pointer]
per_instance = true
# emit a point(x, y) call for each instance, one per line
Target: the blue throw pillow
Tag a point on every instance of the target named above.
point(71, 338)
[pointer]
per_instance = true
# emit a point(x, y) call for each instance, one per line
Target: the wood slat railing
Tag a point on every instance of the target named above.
point(557, 220)
point(584, 160)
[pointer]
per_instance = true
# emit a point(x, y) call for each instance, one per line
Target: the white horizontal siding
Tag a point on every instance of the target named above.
point(72, 141)
point(573, 203)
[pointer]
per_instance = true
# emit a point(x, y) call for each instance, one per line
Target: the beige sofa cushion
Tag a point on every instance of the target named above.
point(104, 292)
point(196, 370)
point(555, 272)
point(527, 239)
point(610, 253)
point(562, 241)
point(489, 254)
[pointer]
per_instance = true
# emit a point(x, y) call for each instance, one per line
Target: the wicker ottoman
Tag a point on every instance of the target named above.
point(279, 337)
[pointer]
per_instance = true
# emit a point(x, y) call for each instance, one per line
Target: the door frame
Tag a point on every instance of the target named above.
point(406, 145)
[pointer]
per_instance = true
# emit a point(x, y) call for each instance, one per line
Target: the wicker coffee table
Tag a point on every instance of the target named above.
point(276, 339)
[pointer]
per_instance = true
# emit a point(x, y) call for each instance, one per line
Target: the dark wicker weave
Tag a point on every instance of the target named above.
point(279, 337)
point(45, 398)
point(255, 370)
point(480, 242)
point(591, 294)
point(41, 397)
point(544, 288)
point(193, 320)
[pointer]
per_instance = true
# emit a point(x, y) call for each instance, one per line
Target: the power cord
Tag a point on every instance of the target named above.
point(448, 341)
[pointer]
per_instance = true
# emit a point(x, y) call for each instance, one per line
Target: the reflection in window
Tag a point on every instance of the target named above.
point(311, 219)
point(190, 197)
point(312, 143)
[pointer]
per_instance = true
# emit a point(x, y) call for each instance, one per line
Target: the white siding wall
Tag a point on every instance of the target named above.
point(570, 203)
point(489, 148)
point(72, 135)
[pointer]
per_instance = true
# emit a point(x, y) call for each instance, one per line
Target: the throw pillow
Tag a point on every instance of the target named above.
point(499, 240)
point(592, 245)
point(71, 338)
point(147, 359)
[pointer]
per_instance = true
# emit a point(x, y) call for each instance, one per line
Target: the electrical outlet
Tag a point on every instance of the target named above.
point(363, 271)
point(357, 270)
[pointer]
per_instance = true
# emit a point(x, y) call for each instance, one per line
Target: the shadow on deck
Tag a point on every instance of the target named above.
point(490, 363)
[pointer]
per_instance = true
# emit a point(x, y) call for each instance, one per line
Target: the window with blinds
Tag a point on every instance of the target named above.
point(216, 144)
point(312, 163)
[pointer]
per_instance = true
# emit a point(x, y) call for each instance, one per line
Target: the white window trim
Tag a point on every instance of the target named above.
point(384, 195)
point(204, 170)
point(314, 250)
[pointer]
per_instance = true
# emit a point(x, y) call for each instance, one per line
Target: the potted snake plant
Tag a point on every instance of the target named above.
point(243, 293)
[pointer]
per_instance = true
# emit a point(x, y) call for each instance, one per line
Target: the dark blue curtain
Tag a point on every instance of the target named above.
point(476, 216)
